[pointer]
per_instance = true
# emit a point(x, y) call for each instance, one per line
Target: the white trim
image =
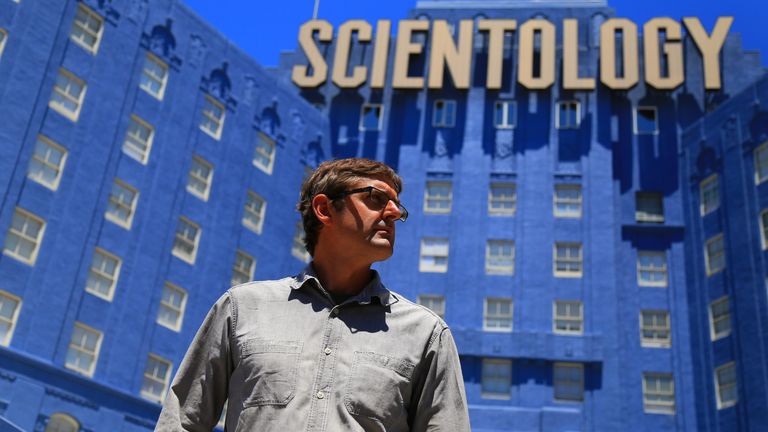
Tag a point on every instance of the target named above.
point(499, 270)
point(447, 121)
point(259, 154)
point(95, 353)
point(64, 94)
point(495, 395)
point(147, 75)
point(189, 258)
point(37, 241)
point(558, 125)
point(157, 380)
point(568, 365)
point(568, 319)
point(178, 310)
point(430, 199)
point(718, 384)
point(708, 259)
point(762, 219)
point(706, 189)
point(725, 317)
point(655, 342)
point(655, 120)
point(260, 215)
point(498, 301)
point(655, 406)
point(209, 117)
point(193, 176)
point(439, 243)
point(567, 201)
point(134, 141)
point(3, 40)
point(246, 275)
point(568, 260)
point(45, 163)
point(503, 199)
point(76, 25)
point(6, 341)
point(761, 149)
point(127, 223)
point(433, 302)
point(505, 104)
point(652, 269)
point(99, 273)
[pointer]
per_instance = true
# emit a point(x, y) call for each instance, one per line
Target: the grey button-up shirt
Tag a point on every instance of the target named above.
point(288, 359)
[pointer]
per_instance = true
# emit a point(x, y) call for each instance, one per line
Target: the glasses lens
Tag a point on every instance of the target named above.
point(379, 199)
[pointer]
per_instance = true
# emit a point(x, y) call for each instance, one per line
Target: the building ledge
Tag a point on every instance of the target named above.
point(547, 346)
point(652, 228)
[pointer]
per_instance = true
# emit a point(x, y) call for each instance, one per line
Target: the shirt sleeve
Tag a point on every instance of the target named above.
point(441, 403)
point(199, 390)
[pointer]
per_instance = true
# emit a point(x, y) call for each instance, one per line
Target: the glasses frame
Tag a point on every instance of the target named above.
point(370, 189)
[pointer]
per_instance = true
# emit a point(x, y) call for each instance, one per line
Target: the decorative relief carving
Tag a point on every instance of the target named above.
point(730, 132)
point(504, 144)
point(197, 49)
point(69, 397)
point(7, 376)
point(249, 93)
point(138, 13)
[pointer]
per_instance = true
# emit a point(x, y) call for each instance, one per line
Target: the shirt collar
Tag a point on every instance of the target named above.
point(374, 289)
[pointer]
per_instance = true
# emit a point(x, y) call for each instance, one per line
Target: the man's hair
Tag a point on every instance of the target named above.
point(332, 178)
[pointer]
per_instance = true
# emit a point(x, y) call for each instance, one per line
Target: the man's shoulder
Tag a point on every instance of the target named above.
point(264, 290)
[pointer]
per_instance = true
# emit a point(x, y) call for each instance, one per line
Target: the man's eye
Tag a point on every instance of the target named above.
point(379, 198)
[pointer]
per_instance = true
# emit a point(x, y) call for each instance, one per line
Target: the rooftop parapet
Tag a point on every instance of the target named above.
point(506, 4)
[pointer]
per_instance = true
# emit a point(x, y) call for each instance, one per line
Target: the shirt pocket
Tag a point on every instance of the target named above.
point(270, 370)
point(378, 387)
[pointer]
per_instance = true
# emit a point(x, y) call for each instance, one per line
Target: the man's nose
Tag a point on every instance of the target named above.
point(392, 211)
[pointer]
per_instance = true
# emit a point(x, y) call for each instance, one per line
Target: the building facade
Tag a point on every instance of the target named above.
point(598, 253)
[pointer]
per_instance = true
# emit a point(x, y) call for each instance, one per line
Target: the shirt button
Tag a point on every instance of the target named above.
point(320, 395)
point(327, 351)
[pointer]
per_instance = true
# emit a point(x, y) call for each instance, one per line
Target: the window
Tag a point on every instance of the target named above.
point(212, 118)
point(764, 228)
point(651, 268)
point(87, 29)
point(658, 393)
point(502, 199)
point(122, 204)
point(497, 315)
point(720, 318)
point(709, 195)
point(500, 257)
point(103, 275)
point(62, 423)
point(761, 163)
point(433, 256)
point(568, 259)
point(727, 390)
point(200, 178)
point(371, 117)
point(714, 255)
point(444, 113)
point(9, 313)
point(298, 249)
point(154, 76)
point(173, 301)
point(568, 200)
point(435, 303)
point(568, 381)
point(186, 241)
point(264, 154)
point(253, 215)
point(47, 162)
point(655, 329)
point(3, 39)
point(568, 317)
point(242, 272)
point(649, 207)
point(437, 197)
point(645, 121)
point(505, 114)
point(496, 378)
point(568, 115)
point(83, 351)
point(24, 237)
point(157, 375)
point(138, 139)
point(68, 94)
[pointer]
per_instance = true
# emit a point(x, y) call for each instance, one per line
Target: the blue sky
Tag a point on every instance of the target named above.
point(263, 28)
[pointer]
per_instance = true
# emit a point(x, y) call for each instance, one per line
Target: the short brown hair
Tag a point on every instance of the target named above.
point(332, 178)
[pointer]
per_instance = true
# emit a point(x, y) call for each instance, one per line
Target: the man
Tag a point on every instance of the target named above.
point(330, 349)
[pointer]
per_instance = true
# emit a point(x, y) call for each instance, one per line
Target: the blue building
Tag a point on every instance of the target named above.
point(598, 253)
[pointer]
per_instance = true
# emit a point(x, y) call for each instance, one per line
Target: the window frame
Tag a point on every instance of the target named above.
point(127, 140)
point(37, 241)
point(495, 395)
point(447, 121)
point(707, 190)
point(635, 113)
point(759, 168)
point(708, 259)
point(180, 310)
point(84, 29)
point(558, 124)
point(261, 137)
point(247, 275)
point(568, 319)
point(498, 316)
point(429, 300)
point(567, 201)
point(429, 198)
point(568, 260)
point(193, 176)
point(502, 199)
point(96, 352)
point(45, 163)
point(113, 278)
point(6, 341)
point(763, 224)
point(260, 215)
point(505, 104)
point(298, 248)
point(645, 217)
point(166, 380)
point(209, 117)
point(568, 383)
point(58, 107)
point(657, 407)
point(714, 334)
point(424, 268)
point(195, 242)
point(131, 209)
point(655, 342)
point(499, 270)
point(380, 115)
point(718, 386)
point(162, 81)
point(3, 40)
point(652, 269)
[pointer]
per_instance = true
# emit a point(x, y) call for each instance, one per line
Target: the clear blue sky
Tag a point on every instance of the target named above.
point(263, 28)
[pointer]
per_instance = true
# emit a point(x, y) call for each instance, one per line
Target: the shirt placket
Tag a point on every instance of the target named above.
point(322, 388)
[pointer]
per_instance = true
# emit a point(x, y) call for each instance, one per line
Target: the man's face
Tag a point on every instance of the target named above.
point(366, 223)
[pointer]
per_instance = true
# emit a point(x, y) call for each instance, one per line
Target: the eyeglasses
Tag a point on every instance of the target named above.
point(378, 200)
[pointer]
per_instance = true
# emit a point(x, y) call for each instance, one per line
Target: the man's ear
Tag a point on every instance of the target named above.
point(321, 205)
